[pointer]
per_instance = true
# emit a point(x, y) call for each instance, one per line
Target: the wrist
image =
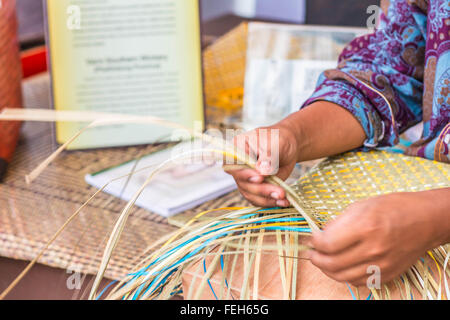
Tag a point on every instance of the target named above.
point(293, 132)
point(437, 214)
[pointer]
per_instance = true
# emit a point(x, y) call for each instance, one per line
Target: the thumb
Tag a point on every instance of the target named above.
point(266, 166)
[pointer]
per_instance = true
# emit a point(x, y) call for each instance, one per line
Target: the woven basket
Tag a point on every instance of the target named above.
point(10, 77)
point(224, 69)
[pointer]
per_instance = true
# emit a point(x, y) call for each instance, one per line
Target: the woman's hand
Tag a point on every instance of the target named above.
point(389, 232)
point(320, 130)
point(260, 143)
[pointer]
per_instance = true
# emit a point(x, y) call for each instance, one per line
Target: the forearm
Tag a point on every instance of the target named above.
point(324, 129)
point(435, 205)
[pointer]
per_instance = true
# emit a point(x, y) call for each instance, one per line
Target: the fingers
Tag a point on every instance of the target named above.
point(261, 201)
point(263, 194)
point(354, 256)
point(258, 145)
point(334, 242)
point(265, 167)
point(249, 175)
point(344, 250)
point(338, 235)
point(268, 158)
point(356, 275)
point(246, 143)
point(251, 182)
point(263, 190)
point(347, 266)
point(251, 185)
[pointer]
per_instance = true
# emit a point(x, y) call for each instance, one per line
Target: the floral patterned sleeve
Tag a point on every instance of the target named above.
point(379, 78)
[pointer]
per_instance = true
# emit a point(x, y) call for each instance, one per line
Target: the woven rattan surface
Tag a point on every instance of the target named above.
point(337, 182)
point(224, 63)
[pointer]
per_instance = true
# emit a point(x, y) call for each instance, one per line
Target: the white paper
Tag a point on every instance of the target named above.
point(275, 88)
point(180, 187)
point(283, 65)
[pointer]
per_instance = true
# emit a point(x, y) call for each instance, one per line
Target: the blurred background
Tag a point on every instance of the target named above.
point(220, 16)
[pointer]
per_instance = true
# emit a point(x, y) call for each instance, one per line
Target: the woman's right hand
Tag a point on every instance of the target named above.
point(276, 154)
point(320, 130)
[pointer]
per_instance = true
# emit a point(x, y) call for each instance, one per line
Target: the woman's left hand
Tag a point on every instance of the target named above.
point(388, 233)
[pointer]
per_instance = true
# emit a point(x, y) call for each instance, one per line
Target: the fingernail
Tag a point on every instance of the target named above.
point(254, 179)
point(282, 203)
point(275, 196)
point(265, 167)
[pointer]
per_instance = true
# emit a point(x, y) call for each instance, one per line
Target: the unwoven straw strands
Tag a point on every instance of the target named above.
point(239, 232)
point(99, 119)
point(230, 232)
point(102, 120)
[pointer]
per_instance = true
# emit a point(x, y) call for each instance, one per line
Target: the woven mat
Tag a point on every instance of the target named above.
point(339, 181)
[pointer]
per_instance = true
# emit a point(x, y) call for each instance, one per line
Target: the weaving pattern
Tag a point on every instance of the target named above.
point(334, 184)
point(224, 65)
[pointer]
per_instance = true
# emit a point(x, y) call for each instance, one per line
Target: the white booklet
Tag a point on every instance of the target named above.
point(179, 187)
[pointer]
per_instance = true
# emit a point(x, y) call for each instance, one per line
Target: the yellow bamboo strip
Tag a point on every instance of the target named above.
point(257, 265)
point(282, 261)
